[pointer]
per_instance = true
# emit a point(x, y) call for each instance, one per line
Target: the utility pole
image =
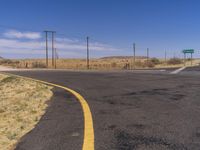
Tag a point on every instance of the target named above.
point(88, 65)
point(53, 49)
point(133, 56)
point(147, 54)
point(165, 56)
point(46, 33)
point(55, 58)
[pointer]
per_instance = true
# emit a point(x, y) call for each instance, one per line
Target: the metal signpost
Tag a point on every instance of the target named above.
point(188, 51)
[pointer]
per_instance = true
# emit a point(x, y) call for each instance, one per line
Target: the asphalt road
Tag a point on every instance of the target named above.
point(195, 71)
point(131, 111)
point(61, 128)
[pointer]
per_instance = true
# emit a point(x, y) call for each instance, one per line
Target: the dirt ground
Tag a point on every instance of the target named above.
point(22, 103)
point(95, 64)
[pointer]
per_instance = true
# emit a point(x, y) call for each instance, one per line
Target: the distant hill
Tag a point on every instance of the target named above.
point(1, 57)
point(123, 57)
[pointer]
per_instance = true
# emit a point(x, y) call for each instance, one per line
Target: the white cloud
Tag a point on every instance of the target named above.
point(65, 43)
point(66, 47)
point(103, 47)
point(17, 44)
point(67, 40)
point(19, 35)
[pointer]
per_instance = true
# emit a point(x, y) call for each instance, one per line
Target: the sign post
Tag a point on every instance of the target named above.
point(188, 51)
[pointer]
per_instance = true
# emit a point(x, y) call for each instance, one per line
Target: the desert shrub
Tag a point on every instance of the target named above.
point(8, 79)
point(126, 66)
point(38, 65)
point(149, 64)
point(8, 61)
point(95, 65)
point(154, 61)
point(5, 61)
point(139, 64)
point(113, 65)
point(174, 61)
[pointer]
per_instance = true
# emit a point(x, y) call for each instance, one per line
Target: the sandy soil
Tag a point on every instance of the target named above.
point(22, 103)
point(4, 68)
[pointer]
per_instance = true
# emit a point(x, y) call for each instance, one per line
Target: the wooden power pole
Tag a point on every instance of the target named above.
point(88, 59)
point(53, 49)
point(147, 55)
point(47, 63)
point(133, 55)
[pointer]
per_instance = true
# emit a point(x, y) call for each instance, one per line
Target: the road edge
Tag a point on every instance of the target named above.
point(88, 141)
point(178, 70)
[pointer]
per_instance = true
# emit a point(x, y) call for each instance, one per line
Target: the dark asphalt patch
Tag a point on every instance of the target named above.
point(61, 127)
point(126, 141)
point(177, 97)
point(133, 98)
point(136, 126)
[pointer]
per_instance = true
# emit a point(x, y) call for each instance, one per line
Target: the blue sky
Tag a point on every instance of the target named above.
point(112, 25)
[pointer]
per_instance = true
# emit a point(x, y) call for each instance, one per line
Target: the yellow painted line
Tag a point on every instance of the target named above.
point(88, 142)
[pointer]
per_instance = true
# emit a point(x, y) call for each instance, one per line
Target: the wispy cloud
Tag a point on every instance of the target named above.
point(67, 40)
point(75, 44)
point(20, 35)
point(34, 46)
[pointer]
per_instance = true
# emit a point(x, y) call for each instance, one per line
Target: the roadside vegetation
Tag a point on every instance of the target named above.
point(9, 62)
point(107, 63)
point(175, 61)
point(22, 103)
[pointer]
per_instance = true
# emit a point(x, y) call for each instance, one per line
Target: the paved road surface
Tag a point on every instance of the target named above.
point(195, 71)
point(131, 111)
point(61, 128)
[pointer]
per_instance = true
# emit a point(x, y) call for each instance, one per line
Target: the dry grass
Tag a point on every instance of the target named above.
point(78, 64)
point(22, 103)
point(97, 64)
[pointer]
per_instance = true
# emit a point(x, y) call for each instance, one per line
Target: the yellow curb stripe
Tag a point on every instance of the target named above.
point(88, 143)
